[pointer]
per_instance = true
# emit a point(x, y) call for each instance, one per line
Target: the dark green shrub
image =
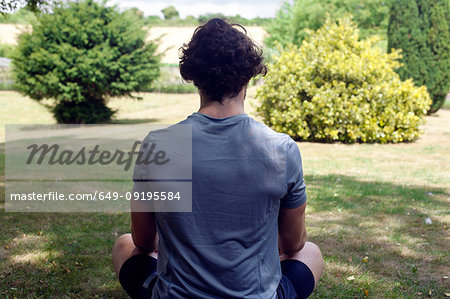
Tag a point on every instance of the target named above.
point(75, 112)
point(80, 55)
point(336, 87)
point(421, 29)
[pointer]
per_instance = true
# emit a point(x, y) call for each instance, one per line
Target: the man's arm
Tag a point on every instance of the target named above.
point(291, 230)
point(144, 232)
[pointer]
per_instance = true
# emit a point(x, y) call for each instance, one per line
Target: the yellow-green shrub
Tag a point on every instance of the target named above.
point(335, 87)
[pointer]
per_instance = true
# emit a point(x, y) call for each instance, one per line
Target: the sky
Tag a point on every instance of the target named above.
point(246, 8)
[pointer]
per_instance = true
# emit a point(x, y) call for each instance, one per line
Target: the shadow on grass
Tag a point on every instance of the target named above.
point(48, 255)
point(375, 232)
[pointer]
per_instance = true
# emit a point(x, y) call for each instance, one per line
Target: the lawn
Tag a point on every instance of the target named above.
point(367, 205)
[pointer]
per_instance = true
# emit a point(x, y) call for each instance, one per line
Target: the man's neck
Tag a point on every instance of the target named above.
point(228, 107)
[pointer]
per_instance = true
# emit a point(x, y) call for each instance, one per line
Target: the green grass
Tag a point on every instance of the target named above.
point(363, 201)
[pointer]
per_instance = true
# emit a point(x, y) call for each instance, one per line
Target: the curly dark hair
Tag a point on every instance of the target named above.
point(220, 59)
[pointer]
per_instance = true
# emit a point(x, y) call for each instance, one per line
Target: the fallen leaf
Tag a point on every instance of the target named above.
point(365, 259)
point(350, 278)
point(430, 292)
point(366, 292)
point(66, 270)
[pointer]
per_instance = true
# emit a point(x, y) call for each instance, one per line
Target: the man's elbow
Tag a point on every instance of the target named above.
point(296, 246)
point(145, 245)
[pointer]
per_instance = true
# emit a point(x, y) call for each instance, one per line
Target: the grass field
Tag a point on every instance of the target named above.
point(367, 206)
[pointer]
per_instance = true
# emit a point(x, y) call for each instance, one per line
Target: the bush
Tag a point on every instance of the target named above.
point(338, 88)
point(81, 55)
point(6, 50)
point(421, 29)
point(371, 16)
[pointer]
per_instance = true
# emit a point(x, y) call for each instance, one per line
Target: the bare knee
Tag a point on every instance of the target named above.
point(122, 242)
point(313, 250)
point(121, 251)
point(312, 257)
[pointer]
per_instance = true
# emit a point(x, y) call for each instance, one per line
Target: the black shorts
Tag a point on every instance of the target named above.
point(138, 277)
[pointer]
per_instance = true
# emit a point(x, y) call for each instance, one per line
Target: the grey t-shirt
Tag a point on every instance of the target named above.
point(227, 247)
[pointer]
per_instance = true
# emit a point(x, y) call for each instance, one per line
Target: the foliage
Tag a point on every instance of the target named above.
point(81, 55)
point(288, 26)
point(21, 16)
point(6, 50)
point(192, 21)
point(421, 29)
point(336, 87)
point(204, 18)
point(32, 5)
point(258, 21)
point(170, 12)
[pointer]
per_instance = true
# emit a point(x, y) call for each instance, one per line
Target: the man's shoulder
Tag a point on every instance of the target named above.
point(253, 129)
point(261, 131)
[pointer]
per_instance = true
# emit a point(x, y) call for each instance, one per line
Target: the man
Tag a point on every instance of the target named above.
point(248, 194)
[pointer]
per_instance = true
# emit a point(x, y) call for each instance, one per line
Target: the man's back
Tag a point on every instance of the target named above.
point(246, 234)
point(227, 245)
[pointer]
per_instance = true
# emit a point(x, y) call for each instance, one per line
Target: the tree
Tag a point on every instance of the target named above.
point(206, 17)
point(170, 13)
point(80, 55)
point(336, 87)
point(20, 16)
point(135, 12)
point(421, 29)
point(33, 5)
point(291, 20)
